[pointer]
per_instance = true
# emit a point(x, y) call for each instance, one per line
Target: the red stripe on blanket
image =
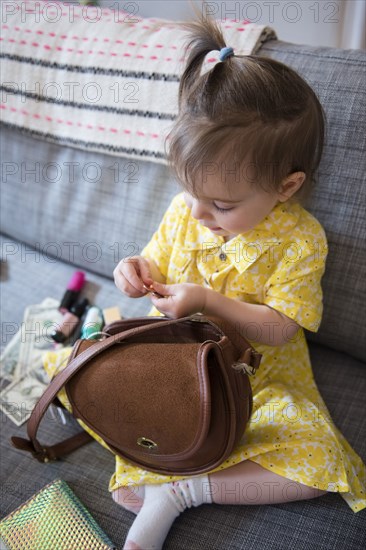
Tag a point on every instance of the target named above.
point(139, 133)
point(83, 38)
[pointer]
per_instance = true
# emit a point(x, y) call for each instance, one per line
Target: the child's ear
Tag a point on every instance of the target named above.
point(290, 185)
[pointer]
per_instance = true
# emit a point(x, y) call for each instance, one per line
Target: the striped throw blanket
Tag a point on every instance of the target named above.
point(98, 79)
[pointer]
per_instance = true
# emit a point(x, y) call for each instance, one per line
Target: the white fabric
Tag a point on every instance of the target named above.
point(82, 76)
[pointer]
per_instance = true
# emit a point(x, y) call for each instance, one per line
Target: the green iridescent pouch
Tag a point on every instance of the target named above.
point(54, 518)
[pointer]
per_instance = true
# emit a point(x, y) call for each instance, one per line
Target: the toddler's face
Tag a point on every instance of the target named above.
point(230, 210)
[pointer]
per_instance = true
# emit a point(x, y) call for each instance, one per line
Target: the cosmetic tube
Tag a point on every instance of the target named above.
point(72, 292)
point(70, 321)
point(93, 324)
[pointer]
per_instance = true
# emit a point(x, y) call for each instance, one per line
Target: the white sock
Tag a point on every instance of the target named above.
point(162, 504)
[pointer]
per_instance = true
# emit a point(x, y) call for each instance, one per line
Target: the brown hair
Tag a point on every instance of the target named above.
point(252, 112)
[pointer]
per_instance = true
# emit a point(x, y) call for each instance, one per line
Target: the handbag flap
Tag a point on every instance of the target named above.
point(145, 398)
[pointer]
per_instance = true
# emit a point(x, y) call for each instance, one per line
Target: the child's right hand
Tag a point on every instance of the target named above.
point(131, 274)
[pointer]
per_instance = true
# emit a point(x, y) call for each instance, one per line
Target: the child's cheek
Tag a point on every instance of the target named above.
point(188, 200)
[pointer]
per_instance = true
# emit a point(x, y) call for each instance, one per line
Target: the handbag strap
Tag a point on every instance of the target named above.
point(53, 452)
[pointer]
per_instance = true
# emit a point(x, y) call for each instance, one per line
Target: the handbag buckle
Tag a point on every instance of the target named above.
point(42, 456)
point(198, 317)
point(248, 369)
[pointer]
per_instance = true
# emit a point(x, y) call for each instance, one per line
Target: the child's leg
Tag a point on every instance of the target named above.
point(249, 483)
point(244, 483)
point(162, 505)
point(131, 498)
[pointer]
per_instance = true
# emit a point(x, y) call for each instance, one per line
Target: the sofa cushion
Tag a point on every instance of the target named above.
point(339, 196)
point(88, 209)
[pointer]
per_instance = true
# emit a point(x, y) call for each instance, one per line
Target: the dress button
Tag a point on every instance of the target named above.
point(222, 256)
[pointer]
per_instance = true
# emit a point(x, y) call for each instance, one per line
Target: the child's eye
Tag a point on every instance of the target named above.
point(223, 210)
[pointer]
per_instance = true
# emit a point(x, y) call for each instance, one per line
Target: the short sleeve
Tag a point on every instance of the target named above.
point(160, 247)
point(295, 287)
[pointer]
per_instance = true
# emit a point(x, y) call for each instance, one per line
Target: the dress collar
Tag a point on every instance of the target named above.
point(244, 249)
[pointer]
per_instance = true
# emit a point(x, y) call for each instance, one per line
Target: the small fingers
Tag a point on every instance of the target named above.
point(144, 271)
point(128, 280)
point(126, 287)
point(137, 270)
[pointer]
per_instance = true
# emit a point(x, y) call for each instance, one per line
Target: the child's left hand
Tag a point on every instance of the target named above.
point(179, 300)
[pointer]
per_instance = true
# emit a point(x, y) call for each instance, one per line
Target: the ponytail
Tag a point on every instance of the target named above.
point(205, 36)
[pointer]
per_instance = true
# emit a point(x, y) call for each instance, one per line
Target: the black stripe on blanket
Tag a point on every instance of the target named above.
point(83, 144)
point(74, 104)
point(93, 70)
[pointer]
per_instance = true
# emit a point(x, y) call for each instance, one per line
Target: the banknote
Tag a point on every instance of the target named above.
point(23, 377)
point(39, 320)
point(9, 358)
point(19, 398)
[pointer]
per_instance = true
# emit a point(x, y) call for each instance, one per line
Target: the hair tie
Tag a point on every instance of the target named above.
point(225, 53)
point(213, 57)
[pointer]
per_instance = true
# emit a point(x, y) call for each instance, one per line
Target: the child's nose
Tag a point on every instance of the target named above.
point(199, 211)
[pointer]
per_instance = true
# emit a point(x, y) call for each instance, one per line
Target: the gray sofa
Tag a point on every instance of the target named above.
point(50, 229)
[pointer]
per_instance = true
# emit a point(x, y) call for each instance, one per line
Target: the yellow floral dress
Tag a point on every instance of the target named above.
point(279, 263)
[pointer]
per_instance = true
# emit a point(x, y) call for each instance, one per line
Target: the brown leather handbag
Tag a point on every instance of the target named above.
point(170, 396)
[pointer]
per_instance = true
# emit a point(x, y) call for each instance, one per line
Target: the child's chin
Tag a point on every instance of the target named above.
point(221, 232)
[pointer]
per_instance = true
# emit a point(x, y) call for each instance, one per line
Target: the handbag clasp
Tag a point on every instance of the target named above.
point(147, 443)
